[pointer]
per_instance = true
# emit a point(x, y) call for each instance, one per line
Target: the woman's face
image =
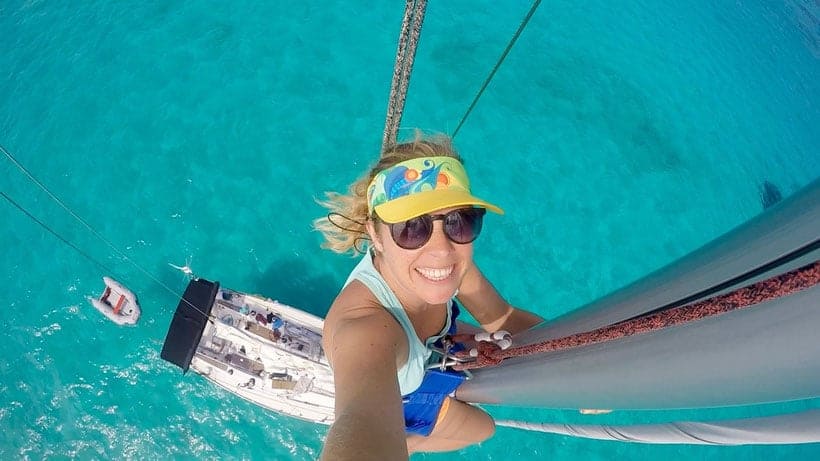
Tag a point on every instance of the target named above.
point(431, 274)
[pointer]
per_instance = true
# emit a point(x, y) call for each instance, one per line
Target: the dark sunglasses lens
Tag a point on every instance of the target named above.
point(412, 234)
point(463, 226)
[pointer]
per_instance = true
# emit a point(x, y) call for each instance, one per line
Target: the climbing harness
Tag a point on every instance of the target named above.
point(453, 353)
point(422, 406)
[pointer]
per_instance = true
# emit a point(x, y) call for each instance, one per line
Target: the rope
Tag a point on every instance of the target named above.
point(54, 233)
point(498, 64)
point(87, 226)
point(405, 55)
point(762, 291)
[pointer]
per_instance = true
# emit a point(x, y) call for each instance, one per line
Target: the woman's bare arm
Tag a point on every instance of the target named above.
point(487, 306)
point(362, 345)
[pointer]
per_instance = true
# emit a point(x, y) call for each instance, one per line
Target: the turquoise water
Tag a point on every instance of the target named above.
point(617, 138)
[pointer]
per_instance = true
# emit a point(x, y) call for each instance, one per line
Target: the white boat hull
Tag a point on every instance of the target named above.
point(261, 350)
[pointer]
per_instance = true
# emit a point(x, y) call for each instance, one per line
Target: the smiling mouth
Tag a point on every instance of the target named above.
point(435, 275)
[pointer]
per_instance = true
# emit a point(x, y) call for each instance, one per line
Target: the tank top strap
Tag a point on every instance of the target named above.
point(412, 372)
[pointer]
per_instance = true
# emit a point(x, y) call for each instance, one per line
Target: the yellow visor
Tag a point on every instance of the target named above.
point(419, 186)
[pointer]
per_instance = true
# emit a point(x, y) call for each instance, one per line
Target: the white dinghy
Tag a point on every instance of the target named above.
point(117, 303)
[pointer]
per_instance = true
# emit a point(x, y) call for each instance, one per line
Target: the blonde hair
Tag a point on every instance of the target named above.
point(344, 225)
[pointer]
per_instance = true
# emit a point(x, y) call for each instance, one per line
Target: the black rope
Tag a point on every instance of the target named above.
point(88, 226)
point(54, 233)
point(81, 220)
point(358, 242)
point(68, 209)
point(498, 64)
point(83, 253)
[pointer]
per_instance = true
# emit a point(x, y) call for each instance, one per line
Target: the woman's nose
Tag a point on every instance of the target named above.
point(439, 240)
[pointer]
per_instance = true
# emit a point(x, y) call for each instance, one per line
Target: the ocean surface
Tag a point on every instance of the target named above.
point(618, 137)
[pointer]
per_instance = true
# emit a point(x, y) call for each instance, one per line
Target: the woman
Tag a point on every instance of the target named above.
point(416, 209)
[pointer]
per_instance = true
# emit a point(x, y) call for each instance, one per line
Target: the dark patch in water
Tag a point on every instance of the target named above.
point(769, 194)
point(608, 105)
point(292, 282)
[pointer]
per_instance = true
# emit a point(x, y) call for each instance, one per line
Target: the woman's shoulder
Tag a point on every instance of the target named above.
point(356, 316)
point(354, 301)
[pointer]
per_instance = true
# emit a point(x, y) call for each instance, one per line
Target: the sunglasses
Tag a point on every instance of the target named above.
point(461, 226)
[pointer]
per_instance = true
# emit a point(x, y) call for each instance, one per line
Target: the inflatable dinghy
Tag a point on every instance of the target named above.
point(117, 303)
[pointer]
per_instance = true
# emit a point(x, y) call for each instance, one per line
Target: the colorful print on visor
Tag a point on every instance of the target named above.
point(421, 185)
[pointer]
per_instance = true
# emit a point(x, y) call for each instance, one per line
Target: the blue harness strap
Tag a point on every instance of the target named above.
point(421, 407)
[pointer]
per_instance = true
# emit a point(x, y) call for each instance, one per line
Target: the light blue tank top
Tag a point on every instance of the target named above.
point(411, 374)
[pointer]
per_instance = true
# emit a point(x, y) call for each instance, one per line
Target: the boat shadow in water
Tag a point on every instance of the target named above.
point(293, 282)
point(769, 194)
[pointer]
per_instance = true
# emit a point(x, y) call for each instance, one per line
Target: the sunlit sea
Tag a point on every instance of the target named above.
point(618, 138)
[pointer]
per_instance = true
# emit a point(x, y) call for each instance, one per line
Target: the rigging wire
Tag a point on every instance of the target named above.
point(498, 64)
point(54, 233)
point(405, 55)
point(88, 226)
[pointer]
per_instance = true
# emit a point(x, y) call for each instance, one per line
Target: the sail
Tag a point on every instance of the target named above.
point(765, 353)
point(803, 427)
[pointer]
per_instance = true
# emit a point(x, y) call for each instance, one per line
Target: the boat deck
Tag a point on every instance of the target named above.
point(268, 353)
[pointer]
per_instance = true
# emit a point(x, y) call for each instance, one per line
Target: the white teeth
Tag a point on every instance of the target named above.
point(435, 274)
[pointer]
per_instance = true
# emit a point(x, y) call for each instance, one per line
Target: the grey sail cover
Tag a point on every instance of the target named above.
point(801, 427)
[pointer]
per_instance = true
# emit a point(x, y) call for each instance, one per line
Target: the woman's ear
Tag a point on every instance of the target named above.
point(370, 226)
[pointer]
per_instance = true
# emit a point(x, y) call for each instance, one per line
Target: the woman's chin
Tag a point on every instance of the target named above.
point(438, 294)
